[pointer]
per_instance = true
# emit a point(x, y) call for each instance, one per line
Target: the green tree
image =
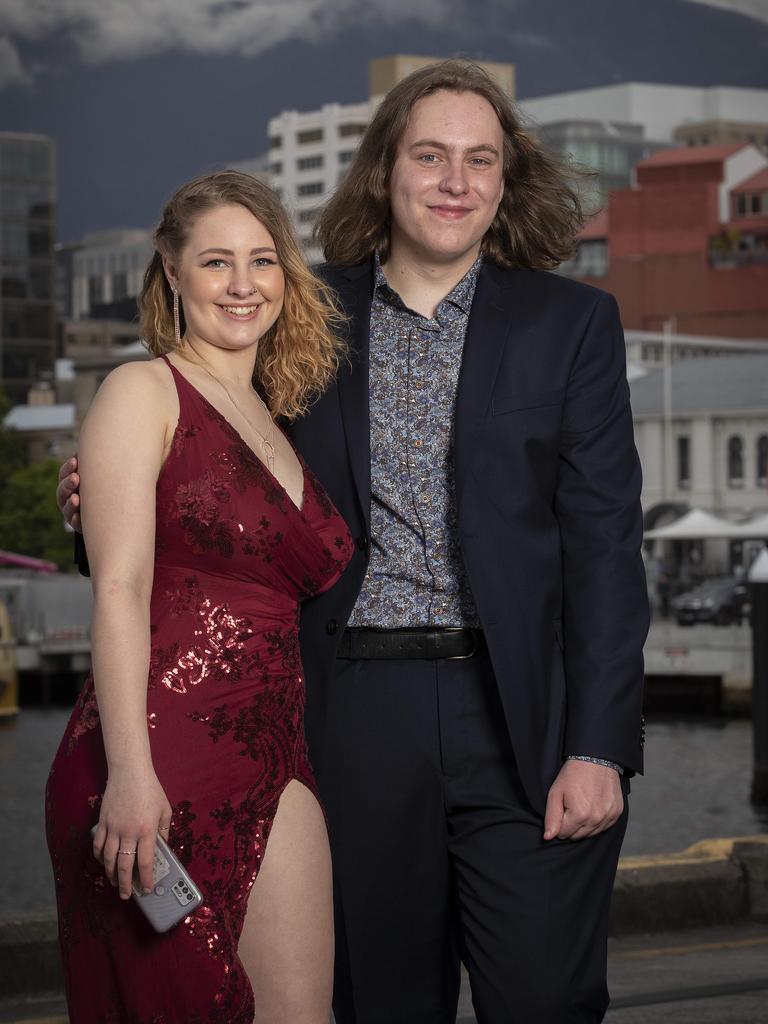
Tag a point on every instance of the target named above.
point(30, 522)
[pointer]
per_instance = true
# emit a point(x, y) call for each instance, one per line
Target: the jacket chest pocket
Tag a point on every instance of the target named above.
point(530, 400)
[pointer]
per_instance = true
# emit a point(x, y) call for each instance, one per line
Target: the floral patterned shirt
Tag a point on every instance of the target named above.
point(415, 574)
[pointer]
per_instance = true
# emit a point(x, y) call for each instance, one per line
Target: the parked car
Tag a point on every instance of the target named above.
point(719, 601)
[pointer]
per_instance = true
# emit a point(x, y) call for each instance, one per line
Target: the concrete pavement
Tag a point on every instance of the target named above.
point(689, 945)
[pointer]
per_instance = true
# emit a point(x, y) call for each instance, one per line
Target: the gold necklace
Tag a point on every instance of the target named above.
point(267, 443)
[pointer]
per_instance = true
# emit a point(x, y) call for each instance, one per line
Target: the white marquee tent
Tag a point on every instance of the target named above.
point(700, 525)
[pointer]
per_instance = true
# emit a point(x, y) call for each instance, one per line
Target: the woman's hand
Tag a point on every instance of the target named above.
point(134, 809)
point(67, 497)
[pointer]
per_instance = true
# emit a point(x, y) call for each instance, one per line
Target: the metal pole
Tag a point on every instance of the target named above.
point(667, 447)
point(758, 586)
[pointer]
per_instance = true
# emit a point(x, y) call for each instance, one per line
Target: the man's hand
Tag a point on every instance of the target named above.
point(585, 799)
point(67, 497)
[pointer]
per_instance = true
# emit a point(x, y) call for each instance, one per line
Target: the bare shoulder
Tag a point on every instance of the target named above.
point(147, 386)
point(146, 374)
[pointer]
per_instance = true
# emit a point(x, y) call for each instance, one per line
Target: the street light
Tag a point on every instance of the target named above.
point(757, 579)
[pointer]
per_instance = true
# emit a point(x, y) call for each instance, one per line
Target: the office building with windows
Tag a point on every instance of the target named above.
point(612, 128)
point(107, 272)
point(27, 233)
point(687, 247)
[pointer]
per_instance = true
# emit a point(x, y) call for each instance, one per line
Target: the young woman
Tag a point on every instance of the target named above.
point(204, 531)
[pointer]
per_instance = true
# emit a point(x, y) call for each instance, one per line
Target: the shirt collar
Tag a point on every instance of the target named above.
point(461, 295)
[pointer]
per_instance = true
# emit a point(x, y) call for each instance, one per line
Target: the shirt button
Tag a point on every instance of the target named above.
point(331, 627)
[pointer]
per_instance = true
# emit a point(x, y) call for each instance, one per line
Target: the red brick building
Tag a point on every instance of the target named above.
point(688, 243)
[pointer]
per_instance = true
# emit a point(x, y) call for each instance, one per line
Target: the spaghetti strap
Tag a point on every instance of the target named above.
point(186, 393)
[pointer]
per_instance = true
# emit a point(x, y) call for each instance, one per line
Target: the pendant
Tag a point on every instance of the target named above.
point(269, 454)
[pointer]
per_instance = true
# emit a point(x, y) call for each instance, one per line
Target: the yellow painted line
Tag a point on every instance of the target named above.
point(43, 1020)
point(701, 947)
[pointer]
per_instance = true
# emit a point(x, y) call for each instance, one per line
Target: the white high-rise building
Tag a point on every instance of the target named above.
point(659, 109)
point(308, 155)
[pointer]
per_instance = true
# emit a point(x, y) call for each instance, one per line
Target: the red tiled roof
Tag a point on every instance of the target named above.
point(596, 227)
point(756, 183)
point(692, 155)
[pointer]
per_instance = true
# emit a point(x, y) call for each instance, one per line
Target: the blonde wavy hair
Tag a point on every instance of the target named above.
point(299, 355)
point(540, 211)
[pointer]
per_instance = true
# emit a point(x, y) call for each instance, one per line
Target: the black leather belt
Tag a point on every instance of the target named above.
point(410, 643)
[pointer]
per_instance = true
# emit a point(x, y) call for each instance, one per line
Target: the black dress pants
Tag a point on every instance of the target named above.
point(439, 858)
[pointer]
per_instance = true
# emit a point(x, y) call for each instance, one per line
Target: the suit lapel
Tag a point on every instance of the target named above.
point(356, 291)
point(489, 326)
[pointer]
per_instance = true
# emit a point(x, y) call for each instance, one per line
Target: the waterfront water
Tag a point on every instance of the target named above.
point(696, 787)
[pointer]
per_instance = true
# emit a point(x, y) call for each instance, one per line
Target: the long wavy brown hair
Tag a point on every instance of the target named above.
point(540, 211)
point(298, 356)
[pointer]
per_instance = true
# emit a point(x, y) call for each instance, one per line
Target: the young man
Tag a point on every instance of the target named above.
point(474, 682)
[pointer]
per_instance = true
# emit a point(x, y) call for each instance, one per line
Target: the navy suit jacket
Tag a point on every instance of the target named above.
point(548, 494)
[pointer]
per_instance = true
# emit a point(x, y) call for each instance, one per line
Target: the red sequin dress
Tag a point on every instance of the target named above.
point(225, 702)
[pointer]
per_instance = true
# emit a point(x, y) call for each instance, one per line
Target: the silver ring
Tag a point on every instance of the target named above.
point(126, 853)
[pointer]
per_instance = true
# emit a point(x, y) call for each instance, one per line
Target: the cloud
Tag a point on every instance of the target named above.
point(105, 30)
point(753, 8)
point(12, 70)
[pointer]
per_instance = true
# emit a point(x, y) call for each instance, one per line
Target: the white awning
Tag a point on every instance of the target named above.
point(700, 525)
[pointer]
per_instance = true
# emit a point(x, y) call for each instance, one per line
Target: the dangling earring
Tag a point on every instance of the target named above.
point(176, 324)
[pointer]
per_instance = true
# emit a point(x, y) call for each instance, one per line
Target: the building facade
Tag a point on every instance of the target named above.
point(703, 443)
point(660, 110)
point(687, 247)
point(108, 270)
point(27, 234)
point(723, 133)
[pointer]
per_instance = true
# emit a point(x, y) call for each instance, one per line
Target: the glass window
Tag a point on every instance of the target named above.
point(735, 461)
point(741, 205)
point(26, 282)
point(307, 163)
point(40, 240)
point(25, 362)
point(26, 158)
point(345, 156)
point(762, 461)
point(12, 158)
point(26, 321)
point(276, 142)
point(683, 462)
point(40, 282)
point(13, 241)
point(346, 130)
point(276, 167)
point(95, 290)
point(14, 283)
point(119, 285)
point(311, 188)
point(308, 216)
point(39, 159)
point(309, 135)
point(755, 202)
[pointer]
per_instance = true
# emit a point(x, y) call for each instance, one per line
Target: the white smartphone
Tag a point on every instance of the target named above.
point(174, 895)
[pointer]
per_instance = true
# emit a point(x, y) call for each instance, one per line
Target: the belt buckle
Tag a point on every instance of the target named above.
point(463, 657)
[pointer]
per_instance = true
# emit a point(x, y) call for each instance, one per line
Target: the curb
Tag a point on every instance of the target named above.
point(29, 955)
point(713, 882)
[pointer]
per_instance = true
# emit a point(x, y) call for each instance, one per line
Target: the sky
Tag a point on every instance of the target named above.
point(141, 94)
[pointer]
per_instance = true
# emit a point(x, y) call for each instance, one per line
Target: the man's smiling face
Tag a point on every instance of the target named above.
point(447, 180)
